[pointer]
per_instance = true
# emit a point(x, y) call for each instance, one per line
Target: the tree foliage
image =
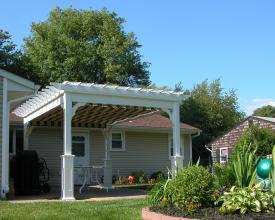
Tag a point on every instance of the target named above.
point(265, 111)
point(86, 46)
point(211, 109)
point(11, 59)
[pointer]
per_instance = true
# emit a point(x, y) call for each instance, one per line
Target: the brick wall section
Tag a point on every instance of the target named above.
point(230, 138)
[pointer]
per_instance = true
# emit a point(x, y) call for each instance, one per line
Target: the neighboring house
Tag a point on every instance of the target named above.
point(13, 91)
point(221, 148)
point(142, 143)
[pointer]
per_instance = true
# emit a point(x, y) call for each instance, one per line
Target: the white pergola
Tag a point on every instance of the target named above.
point(95, 105)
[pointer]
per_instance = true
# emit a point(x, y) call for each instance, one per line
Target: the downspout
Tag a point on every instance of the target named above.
point(191, 144)
point(5, 135)
point(207, 148)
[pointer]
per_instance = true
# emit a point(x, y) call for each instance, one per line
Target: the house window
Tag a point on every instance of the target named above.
point(171, 150)
point(78, 146)
point(223, 155)
point(16, 143)
point(118, 141)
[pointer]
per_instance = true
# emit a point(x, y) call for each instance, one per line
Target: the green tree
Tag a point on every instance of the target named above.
point(86, 46)
point(11, 58)
point(211, 109)
point(265, 111)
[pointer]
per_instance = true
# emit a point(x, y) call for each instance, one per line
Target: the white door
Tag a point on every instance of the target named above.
point(81, 152)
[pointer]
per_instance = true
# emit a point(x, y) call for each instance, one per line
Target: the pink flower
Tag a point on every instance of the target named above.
point(131, 179)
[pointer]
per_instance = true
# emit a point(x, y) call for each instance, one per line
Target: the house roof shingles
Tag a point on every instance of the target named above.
point(152, 121)
point(149, 121)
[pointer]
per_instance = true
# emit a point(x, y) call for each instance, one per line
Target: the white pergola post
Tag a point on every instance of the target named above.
point(67, 160)
point(5, 142)
point(107, 160)
point(177, 158)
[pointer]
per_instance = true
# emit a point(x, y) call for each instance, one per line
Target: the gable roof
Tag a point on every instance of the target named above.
point(153, 121)
point(148, 121)
point(237, 134)
point(266, 118)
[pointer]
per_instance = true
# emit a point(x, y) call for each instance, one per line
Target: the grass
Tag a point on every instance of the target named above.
point(103, 210)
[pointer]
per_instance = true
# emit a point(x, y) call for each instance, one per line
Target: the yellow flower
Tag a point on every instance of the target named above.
point(164, 200)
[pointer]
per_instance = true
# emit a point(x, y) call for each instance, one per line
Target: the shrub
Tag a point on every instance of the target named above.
point(224, 176)
point(261, 138)
point(192, 188)
point(159, 175)
point(244, 163)
point(246, 200)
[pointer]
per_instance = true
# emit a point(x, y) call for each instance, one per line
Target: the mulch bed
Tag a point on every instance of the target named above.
point(213, 214)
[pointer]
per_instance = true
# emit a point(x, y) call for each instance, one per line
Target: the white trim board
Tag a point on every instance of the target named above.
point(17, 79)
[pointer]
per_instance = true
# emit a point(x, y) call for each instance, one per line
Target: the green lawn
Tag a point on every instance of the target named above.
point(113, 210)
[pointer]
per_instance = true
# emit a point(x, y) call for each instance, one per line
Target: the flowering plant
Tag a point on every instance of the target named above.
point(131, 179)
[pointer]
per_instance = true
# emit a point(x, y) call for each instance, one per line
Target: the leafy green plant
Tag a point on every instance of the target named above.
point(224, 175)
point(272, 172)
point(121, 180)
point(159, 196)
point(192, 188)
point(261, 138)
point(246, 200)
point(244, 163)
point(158, 176)
point(139, 177)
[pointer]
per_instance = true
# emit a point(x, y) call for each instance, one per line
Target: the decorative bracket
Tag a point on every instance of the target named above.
point(76, 106)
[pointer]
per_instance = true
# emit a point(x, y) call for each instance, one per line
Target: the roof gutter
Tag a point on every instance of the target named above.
point(196, 135)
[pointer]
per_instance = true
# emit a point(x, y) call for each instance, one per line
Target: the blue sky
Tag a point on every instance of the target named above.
point(186, 41)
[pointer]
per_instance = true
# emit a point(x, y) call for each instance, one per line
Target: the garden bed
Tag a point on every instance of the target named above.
point(134, 186)
point(156, 213)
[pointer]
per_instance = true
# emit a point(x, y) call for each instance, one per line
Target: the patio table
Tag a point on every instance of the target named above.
point(90, 174)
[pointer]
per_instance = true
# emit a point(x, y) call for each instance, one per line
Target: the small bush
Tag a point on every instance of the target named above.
point(192, 188)
point(224, 176)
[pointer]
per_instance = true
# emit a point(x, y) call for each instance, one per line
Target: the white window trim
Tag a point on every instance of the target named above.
point(79, 132)
point(223, 148)
point(123, 141)
point(170, 136)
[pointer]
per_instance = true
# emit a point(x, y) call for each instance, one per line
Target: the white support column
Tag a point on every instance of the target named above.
point(5, 142)
point(67, 160)
point(107, 160)
point(177, 159)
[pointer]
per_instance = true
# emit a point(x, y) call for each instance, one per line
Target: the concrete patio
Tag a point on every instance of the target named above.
point(89, 194)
